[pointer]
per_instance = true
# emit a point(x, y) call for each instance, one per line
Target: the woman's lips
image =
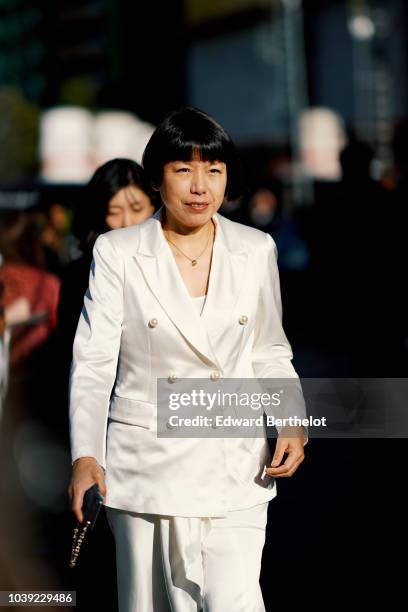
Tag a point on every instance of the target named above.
point(197, 206)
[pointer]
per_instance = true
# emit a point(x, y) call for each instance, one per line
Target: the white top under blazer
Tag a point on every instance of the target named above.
point(139, 323)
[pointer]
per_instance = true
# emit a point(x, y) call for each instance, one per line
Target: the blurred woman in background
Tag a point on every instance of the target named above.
point(29, 300)
point(117, 195)
point(30, 292)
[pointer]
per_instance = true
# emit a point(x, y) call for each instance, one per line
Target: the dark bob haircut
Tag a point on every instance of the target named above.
point(188, 132)
point(106, 182)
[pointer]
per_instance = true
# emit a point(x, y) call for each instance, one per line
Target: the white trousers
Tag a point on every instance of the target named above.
point(188, 564)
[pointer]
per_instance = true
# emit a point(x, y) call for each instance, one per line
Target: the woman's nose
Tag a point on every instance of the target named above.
point(126, 218)
point(198, 183)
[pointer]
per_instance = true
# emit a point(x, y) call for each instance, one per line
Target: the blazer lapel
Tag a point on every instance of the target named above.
point(229, 269)
point(227, 277)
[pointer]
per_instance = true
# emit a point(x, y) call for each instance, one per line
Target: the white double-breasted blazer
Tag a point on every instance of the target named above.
point(138, 323)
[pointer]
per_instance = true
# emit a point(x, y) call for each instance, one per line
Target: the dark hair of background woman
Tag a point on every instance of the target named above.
point(186, 132)
point(90, 216)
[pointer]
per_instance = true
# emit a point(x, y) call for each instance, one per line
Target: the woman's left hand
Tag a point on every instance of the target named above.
point(293, 446)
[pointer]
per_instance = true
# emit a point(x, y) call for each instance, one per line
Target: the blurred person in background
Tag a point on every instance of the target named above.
point(371, 309)
point(29, 289)
point(117, 195)
point(264, 210)
point(60, 246)
point(265, 213)
point(356, 260)
point(29, 315)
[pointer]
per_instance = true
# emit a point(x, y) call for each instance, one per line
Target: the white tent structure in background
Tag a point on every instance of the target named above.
point(74, 141)
point(321, 138)
point(119, 134)
point(66, 148)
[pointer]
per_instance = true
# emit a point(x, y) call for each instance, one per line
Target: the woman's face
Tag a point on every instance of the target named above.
point(129, 206)
point(193, 191)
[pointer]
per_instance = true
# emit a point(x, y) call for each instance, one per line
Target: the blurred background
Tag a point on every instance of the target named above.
point(315, 95)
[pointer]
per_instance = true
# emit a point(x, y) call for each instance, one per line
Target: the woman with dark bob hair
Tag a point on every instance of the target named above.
point(186, 295)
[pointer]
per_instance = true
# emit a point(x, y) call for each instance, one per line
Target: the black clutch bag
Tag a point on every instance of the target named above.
point(90, 509)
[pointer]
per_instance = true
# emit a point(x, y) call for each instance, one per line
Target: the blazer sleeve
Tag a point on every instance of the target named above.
point(95, 353)
point(271, 352)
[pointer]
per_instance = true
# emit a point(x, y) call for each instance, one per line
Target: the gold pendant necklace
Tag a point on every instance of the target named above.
point(194, 262)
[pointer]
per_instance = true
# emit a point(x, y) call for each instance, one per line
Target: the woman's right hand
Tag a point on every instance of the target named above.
point(86, 472)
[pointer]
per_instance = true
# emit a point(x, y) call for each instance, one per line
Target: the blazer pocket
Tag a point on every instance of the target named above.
point(133, 412)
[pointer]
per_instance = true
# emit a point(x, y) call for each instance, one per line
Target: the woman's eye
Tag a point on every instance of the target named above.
point(183, 170)
point(215, 170)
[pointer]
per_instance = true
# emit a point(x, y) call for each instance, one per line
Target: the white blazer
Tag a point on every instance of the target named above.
point(138, 323)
